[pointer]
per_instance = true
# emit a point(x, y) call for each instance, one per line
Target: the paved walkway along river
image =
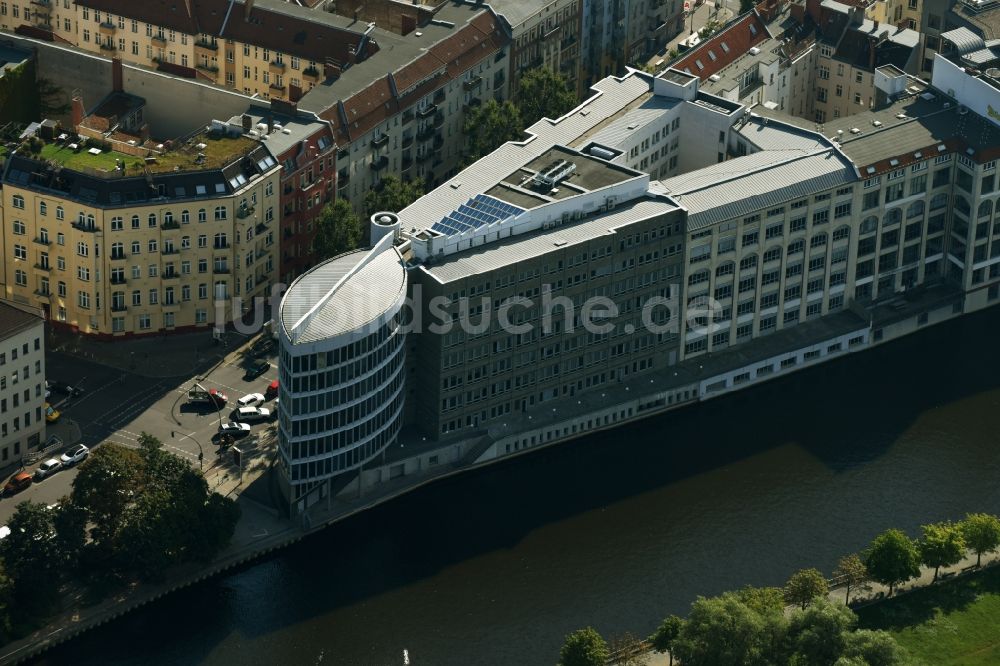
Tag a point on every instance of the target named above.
point(615, 530)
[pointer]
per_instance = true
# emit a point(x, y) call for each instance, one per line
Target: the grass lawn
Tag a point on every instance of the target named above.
point(957, 622)
point(218, 152)
point(77, 161)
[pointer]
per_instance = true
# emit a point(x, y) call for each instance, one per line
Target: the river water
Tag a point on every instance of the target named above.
point(615, 530)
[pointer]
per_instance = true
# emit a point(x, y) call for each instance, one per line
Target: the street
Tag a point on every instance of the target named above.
point(117, 406)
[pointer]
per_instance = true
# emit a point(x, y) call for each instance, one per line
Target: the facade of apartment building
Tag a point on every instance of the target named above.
point(111, 254)
point(409, 122)
point(269, 48)
point(303, 146)
point(22, 382)
point(624, 33)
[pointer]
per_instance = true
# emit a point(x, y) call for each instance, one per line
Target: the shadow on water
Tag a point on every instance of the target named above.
point(429, 570)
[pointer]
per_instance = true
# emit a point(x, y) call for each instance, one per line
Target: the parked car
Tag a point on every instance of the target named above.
point(47, 469)
point(252, 414)
point(17, 483)
point(263, 347)
point(272, 390)
point(250, 400)
point(235, 429)
point(217, 399)
point(51, 413)
point(64, 388)
point(256, 369)
point(75, 455)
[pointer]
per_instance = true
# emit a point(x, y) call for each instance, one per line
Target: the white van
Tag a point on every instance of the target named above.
point(252, 414)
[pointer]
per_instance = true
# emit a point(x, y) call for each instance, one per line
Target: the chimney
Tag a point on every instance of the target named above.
point(77, 111)
point(247, 122)
point(247, 9)
point(871, 53)
point(294, 93)
point(117, 75)
point(876, 26)
point(270, 124)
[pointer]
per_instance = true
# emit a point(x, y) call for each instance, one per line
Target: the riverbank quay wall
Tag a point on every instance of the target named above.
point(414, 463)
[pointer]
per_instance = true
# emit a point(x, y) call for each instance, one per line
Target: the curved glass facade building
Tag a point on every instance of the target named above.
point(341, 369)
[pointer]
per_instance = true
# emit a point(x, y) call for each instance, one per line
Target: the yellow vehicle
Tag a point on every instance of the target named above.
point(51, 414)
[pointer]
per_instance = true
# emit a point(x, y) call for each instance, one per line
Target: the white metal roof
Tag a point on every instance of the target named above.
point(344, 294)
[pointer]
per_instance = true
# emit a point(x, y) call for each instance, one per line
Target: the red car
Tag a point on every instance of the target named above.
point(17, 483)
point(272, 390)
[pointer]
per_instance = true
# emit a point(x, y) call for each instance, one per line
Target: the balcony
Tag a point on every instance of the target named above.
point(567, 42)
point(221, 246)
point(170, 275)
point(220, 270)
point(425, 157)
point(472, 83)
point(276, 67)
point(205, 48)
point(425, 134)
point(243, 212)
point(438, 143)
point(473, 103)
point(311, 74)
point(380, 141)
point(117, 256)
point(170, 226)
point(498, 82)
point(107, 28)
point(43, 241)
point(118, 280)
point(407, 142)
point(85, 226)
point(427, 111)
point(342, 182)
point(277, 89)
point(43, 267)
point(43, 294)
point(438, 120)
point(407, 163)
point(158, 40)
point(260, 228)
point(118, 307)
point(379, 163)
point(107, 46)
point(206, 67)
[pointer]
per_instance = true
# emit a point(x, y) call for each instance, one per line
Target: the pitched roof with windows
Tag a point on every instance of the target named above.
point(714, 54)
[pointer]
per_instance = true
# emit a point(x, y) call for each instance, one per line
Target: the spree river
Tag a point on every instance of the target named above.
point(615, 530)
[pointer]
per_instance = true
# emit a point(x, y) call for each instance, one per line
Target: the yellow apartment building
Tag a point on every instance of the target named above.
point(112, 244)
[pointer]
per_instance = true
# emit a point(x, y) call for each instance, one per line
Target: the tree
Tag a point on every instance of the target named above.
point(892, 558)
point(804, 586)
point(666, 634)
point(874, 648)
point(543, 93)
point(981, 532)
point(724, 631)
point(942, 546)
point(764, 600)
point(338, 230)
point(852, 570)
point(104, 486)
point(393, 195)
point(489, 126)
point(31, 558)
point(818, 634)
point(584, 647)
point(70, 524)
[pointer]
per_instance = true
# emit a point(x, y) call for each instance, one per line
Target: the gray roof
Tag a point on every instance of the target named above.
point(515, 12)
point(749, 184)
point(15, 319)
point(964, 39)
point(611, 96)
point(986, 20)
point(926, 122)
point(299, 128)
point(322, 304)
point(505, 253)
point(650, 111)
point(772, 134)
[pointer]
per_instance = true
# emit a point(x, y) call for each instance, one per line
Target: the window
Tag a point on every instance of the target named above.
point(20, 252)
point(17, 201)
point(220, 212)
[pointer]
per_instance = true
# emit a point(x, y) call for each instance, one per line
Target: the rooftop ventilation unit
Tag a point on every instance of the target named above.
point(855, 130)
point(715, 78)
point(554, 173)
point(754, 50)
point(877, 123)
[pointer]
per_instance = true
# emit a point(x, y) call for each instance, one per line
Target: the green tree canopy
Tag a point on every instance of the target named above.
point(584, 647)
point(31, 558)
point(338, 230)
point(543, 94)
point(764, 600)
point(489, 126)
point(392, 194)
point(818, 634)
point(804, 586)
point(942, 545)
point(981, 532)
point(104, 486)
point(892, 558)
point(666, 634)
point(874, 648)
point(853, 571)
point(724, 631)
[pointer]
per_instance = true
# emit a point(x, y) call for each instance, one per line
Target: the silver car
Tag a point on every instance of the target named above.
point(48, 468)
point(75, 455)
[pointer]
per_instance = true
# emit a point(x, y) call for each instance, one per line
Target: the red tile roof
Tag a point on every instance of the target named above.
point(747, 32)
